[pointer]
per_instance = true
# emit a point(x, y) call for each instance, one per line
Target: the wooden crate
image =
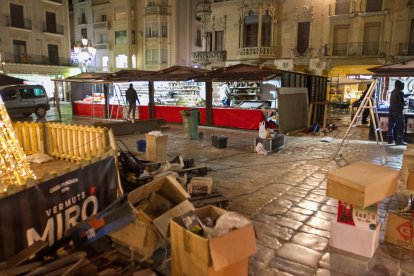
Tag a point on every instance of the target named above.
point(156, 148)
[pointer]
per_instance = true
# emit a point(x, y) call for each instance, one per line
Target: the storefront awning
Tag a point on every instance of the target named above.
point(6, 80)
point(175, 73)
point(400, 69)
point(240, 72)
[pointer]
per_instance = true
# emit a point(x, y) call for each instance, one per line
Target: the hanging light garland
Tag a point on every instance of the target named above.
point(14, 168)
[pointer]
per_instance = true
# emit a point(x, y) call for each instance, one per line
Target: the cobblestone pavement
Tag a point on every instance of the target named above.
point(283, 193)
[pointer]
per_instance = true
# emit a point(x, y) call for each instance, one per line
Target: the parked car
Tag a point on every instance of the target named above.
point(25, 99)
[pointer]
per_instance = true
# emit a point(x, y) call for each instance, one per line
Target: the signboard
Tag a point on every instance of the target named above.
point(359, 76)
point(47, 210)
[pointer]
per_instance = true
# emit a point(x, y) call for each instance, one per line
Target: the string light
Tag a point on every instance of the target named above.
point(14, 168)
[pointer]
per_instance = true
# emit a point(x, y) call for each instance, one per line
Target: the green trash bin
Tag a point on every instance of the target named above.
point(191, 119)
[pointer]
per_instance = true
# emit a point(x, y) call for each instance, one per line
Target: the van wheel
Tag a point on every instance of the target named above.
point(27, 114)
point(40, 111)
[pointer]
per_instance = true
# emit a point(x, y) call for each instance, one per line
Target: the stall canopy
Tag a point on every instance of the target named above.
point(400, 69)
point(88, 77)
point(6, 80)
point(128, 76)
point(239, 72)
point(175, 73)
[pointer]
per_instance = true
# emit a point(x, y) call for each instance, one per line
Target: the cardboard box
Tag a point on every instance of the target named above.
point(362, 183)
point(410, 177)
point(400, 230)
point(195, 255)
point(144, 235)
point(156, 149)
point(366, 218)
point(408, 159)
point(353, 239)
point(200, 186)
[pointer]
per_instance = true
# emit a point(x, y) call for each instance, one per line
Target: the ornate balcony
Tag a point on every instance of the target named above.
point(256, 53)
point(157, 10)
point(101, 25)
point(307, 53)
point(209, 57)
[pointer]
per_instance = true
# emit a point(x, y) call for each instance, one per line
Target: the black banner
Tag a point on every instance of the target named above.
point(47, 210)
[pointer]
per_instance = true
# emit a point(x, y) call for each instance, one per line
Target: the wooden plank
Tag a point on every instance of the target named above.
point(26, 253)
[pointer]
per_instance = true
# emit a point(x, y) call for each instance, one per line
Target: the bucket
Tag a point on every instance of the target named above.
point(141, 145)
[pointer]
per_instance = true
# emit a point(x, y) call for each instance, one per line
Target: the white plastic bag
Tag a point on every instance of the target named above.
point(260, 149)
point(262, 130)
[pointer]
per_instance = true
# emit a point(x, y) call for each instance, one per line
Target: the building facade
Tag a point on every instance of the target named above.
point(35, 42)
point(135, 34)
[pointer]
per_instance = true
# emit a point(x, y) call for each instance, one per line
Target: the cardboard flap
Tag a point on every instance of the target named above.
point(233, 247)
point(361, 175)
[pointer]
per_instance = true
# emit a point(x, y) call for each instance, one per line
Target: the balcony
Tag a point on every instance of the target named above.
point(102, 46)
point(209, 57)
point(35, 59)
point(157, 10)
point(300, 53)
point(342, 9)
point(82, 20)
point(364, 49)
point(101, 25)
point(26, 24)
point(256, 53)
point(405, 49)
point(53, 29)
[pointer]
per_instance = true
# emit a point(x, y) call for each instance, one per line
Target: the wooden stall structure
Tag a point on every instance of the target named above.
point(6, 80)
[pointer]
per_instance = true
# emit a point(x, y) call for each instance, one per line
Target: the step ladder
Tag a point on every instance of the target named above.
point(367, 102)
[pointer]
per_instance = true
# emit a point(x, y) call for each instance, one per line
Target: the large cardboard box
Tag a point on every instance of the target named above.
point(195, 255)
point(362, 183)
point(156, 148)
point(144, 236)
point(400, 230)
point(353, 239)
point(408, 160)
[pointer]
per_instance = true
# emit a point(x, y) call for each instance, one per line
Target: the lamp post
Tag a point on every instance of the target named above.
point(84, 52)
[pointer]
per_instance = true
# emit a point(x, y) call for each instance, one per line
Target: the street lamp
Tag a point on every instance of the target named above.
point(84, 52)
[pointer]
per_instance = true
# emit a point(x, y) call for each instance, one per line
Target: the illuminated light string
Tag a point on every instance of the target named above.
point(14, 168)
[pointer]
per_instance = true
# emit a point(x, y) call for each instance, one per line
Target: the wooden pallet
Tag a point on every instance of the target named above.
point(214, 198)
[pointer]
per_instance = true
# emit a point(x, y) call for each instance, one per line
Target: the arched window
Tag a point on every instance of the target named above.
point(266, 29)
point(251, 27)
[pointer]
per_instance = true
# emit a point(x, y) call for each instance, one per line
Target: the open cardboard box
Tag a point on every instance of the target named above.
point(147, 233)
point(399, 230)
point(226, 255)
point(362, 183)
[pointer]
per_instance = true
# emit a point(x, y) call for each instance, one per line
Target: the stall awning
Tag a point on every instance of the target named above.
point(175, 73)
point(87, 77)
point(6, 80)
point(400, 69)
point(128, 76)
point(240, 72)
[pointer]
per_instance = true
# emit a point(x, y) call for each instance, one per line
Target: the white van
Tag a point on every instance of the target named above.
point(25, 99)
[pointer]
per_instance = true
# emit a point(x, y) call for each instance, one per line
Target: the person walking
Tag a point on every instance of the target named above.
point(396, 116)
point(132, 99)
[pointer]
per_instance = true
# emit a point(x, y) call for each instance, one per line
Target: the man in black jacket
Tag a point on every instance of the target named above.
point(396, 116)
point(132, 99)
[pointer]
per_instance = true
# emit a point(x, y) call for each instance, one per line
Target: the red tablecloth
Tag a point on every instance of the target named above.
point(225, 117)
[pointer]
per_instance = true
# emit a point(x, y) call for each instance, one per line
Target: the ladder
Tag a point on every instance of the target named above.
point(367, 102)
point(119, 100)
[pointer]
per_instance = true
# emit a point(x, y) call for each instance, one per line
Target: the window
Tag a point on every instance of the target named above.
point(411, 41)
point(53, 52)
point(164, 56)
point(84, 33)
point(209, 41)
point(219, 40)
point(372, 33)
point(38, 92)
point(82, 19)
point(303, 37)
point(105, 61)
point(19, 48)
point(373, 5)
point(151, 3)
point(340, 40)
point(198, 38)
point(104, 38)
point(26, 93)
point(103, 17)
point(120, 37)
point(9, 95)
point(121, 61)
point(342, 6)
point(164, 29)
point(151, 30)
point(51, 22)
point(266, 30)
point(16, 16)
point(132, 37)
point(251, 23)
point(120, 14)
point(151, 56)
point(134, 61)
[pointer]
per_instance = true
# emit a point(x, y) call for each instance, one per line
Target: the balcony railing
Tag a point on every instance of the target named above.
point(405, 49)
point(53, 1)
point(358, 49)
point(21, 24)
point(53, 29)
point(344, 7)
point(102, 46)
point(82, 20)
point(256, 53)
point(35, 59)
point(302, 53)
point(101, 25)
point(157, 10)
point(208, 57)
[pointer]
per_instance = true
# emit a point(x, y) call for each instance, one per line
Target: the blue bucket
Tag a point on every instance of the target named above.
point(141, 145)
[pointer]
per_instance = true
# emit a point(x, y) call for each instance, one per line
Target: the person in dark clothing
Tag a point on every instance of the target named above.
point(132, 99)
point(396, 116)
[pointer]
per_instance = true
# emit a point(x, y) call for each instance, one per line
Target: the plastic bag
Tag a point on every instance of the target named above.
point(225, 224)
point(260, 149)
point(262, 130)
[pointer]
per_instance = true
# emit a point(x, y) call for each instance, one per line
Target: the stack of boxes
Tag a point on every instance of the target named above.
point(359, 187)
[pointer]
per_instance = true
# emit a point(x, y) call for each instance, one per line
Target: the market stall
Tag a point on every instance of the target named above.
point(388, 74)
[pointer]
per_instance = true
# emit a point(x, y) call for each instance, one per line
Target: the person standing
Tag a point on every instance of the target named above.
point(132, 99)
point(396, 116)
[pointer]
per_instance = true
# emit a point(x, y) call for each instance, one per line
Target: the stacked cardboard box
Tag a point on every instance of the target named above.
point(359, 187)
point(407, 168)
point(156, 148)
point(400, 229)
point(228, 254)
